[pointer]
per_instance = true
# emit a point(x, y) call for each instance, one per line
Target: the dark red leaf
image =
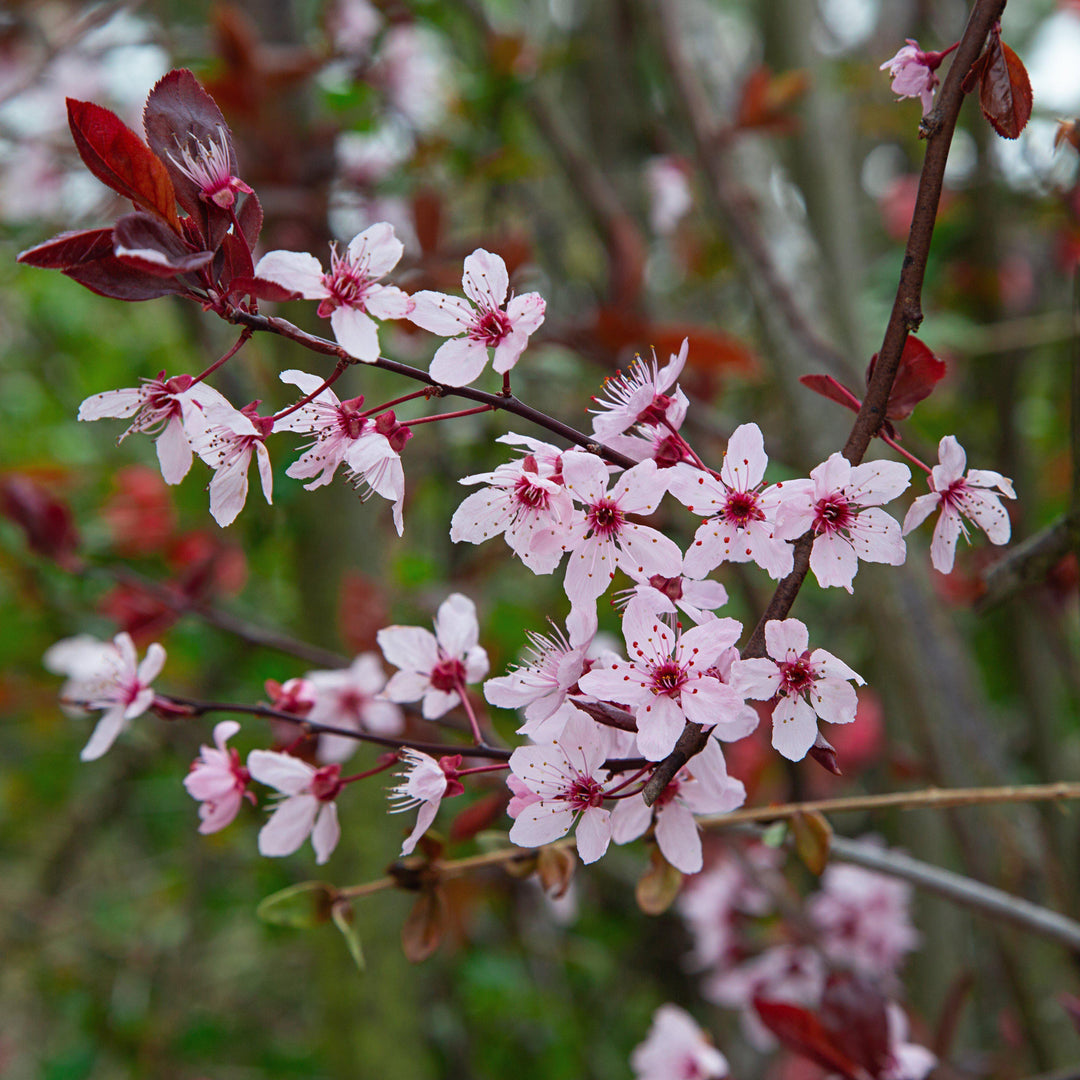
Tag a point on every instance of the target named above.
point(47, 522)
point(121, 160)
point(1004, 89)
point(478, 816)
point(853, 1010)
point(260, 288)
point(251, 220)
point(144, 243)
point(919, 372)
point(111, 277)
point(424, 925)
point(179, 113)
point(974, 74)
point(70, 249)
point(800, 1030)
point(827, 386)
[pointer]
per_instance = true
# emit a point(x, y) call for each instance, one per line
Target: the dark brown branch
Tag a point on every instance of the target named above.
point(906, 312)
point(507, 403)
point(1028, 563)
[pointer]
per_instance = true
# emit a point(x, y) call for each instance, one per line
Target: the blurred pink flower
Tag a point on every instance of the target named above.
point(218, 780)
point(107, 676)
point(676, 1049)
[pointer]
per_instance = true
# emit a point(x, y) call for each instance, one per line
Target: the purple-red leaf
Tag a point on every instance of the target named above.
point(110, 277)
point(261, 289)
point(1004, 88)
point(180, 115)
point(70, 249)
point(251, 220)
point(47, 522)
point(919, 372)
point(801, 1031)
point(121, 160)
point(853, 1010)
point(144, 243)
point(827, 386)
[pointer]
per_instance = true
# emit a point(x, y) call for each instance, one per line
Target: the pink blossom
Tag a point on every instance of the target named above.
point(667, 681)
point(790, 973)
point(703, 787)
point(682, 592)
point(349, 698)
point(161, 407)
point(960, 497)
point(839, 502)
point(295, 696)
point(741, 511)
point(424, 783)
point(907, 1061)
point(552, 667)
point(668, 187)
point(805, 686)
point(864, 920)
point(218, 780)
point(641, 397)
point(336, 425)
point(602, 537)
point(676, 1049)
point(714, 901)
point(349, 293)
point(225, 439)
point(914, 73)
point(435, 667)
point(210, 166)
point(488, 322)
point(521, 499)
point(564, 777)
point(107, 676)
point(308, 806)
point(374, 462)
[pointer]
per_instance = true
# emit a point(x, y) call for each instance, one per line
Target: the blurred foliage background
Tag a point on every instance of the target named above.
point(551, 132)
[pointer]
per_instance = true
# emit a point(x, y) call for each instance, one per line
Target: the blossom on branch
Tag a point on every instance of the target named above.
point(677, 1049)
point(958, 497)
point(840, 504)
point(804, 686)
point(349, 292)
point(210, 166)
point(521, 498)
point(703, 787)
point(602, 537)
point(668, 680)
point(488, 322)
point(641, 397)
point(161, 407)
point(558, 784)
point(107, 676)
point(435, 668)
point(225, 438)
point(349, 698)
point(741, 512)
point(424, 783)
point(914, 73)
point(308, 806)
point(218, 780)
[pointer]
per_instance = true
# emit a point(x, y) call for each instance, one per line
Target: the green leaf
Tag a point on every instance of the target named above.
point(775, 835)
point(341, 911)
point(302, 906)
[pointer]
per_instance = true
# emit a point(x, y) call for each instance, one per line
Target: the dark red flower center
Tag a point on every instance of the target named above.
point(605, 517)
point(447, 675)
point(326, 783)
point(741, 508)
point(491, 328)
point(833, 514)
point(797, 676)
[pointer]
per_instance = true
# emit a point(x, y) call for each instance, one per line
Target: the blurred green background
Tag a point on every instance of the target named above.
point(129, 945)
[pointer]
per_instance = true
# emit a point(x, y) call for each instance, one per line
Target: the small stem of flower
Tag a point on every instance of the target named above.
point(482, 769)
point(904, 453)
point(393, 402)
point(466, 704)
point(451, 415)
point(332, 378)
point(392, 760)
point(687, 448)
point(626, 783)
point(244, 335)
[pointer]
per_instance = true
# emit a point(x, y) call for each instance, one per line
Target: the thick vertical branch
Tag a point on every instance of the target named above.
point(906, 314)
